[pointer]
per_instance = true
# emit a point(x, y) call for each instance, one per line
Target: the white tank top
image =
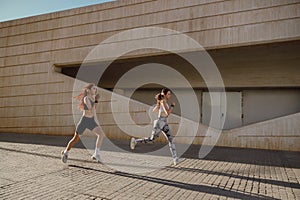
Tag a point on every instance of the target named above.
point(161, 110)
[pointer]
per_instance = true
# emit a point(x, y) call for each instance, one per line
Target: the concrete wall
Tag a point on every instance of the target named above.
point(277, 134)
point(280, 133)
point(36, 99)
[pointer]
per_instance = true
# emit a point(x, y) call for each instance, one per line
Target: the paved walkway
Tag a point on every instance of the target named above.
point(31, 169)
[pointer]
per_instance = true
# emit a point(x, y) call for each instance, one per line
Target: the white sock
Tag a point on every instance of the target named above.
point(66, 152)
point(97, 151)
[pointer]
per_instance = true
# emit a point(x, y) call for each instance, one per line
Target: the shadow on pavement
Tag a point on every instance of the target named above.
point(198, 188)
point(249, 156)
point(51, 140)
point(43, 155)
point(237, 155)
point(186, 186)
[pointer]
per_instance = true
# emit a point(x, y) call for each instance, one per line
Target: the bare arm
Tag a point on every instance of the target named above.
point(156, 108)
point(97, 98)
point(166, 111)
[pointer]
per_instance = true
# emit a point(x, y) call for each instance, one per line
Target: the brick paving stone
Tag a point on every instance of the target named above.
point(34, 171)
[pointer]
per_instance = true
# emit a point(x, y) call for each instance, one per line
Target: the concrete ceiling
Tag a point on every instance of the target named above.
point(265, 65)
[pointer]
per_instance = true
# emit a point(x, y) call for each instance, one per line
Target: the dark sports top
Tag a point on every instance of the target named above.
point(85, 106)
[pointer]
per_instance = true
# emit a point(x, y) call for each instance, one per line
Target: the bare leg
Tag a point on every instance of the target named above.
point(73, 141)
point(96, 155)
point(97, 131)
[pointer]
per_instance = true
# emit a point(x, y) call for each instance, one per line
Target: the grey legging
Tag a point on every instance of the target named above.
point(161, 125)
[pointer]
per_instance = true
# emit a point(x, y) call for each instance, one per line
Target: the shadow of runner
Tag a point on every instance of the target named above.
point(107, 164)
point(186, 186)
point(43, 155)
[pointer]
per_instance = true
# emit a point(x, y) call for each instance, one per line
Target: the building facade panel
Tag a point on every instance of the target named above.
point(218, 18)
point(254, 44)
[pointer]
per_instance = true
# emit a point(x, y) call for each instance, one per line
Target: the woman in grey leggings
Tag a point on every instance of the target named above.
point(161, 124)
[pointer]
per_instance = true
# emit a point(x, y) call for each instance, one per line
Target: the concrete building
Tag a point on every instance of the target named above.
point(255, 45)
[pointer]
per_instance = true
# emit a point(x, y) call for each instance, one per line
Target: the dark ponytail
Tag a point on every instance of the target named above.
point(160, 96)
point(165, 91)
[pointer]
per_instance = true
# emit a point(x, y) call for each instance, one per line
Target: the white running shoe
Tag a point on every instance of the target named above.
point(176, 161)
point(96, 157)
point(132, 143)
point(64, 157)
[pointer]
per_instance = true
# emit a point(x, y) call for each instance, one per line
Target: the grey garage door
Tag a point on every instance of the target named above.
point(232, 105)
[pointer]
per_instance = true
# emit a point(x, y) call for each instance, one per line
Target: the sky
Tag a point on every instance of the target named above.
point(15, 9)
